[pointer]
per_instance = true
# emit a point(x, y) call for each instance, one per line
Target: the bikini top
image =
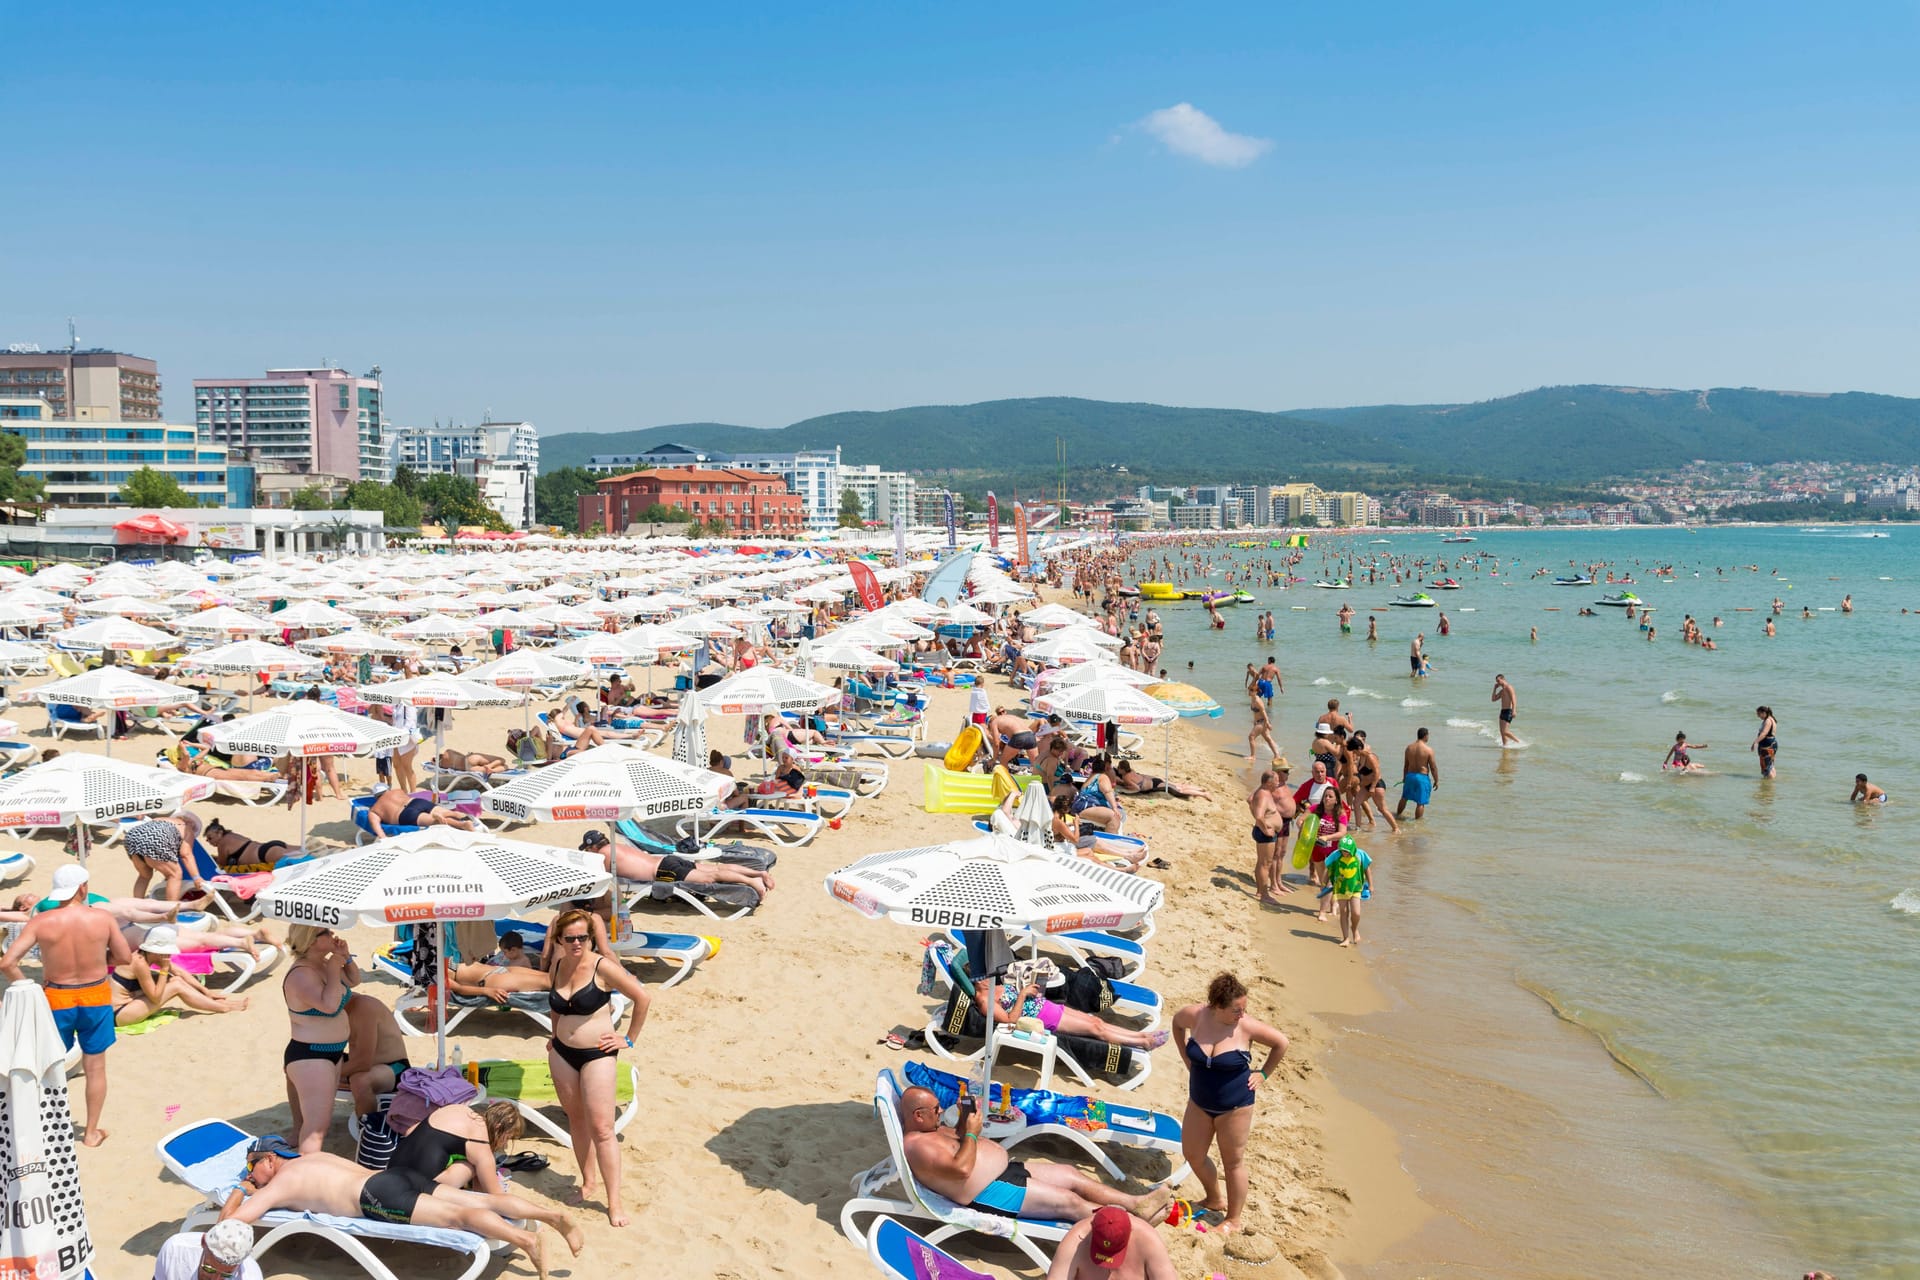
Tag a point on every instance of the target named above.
point(589, 999)
point(318, 1013)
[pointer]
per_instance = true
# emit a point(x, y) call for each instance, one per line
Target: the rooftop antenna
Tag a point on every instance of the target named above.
point(73, 335)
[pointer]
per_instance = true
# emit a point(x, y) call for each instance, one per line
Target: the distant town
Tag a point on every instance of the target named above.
point(305, 458)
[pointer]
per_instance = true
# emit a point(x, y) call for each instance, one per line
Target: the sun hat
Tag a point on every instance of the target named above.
point(230, 1242)
point(161, 940)
point(67, 881)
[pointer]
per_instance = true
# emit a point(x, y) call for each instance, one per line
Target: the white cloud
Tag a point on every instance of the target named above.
point(1187, 130)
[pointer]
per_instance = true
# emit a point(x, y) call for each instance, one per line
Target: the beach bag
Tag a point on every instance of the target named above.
point(1087, 990)
point(378, 1142)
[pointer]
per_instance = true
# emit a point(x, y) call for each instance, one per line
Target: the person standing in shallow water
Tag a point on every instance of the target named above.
point(1766, 743)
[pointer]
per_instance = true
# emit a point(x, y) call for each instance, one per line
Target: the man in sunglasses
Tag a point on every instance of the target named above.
point(217, 1254)
point(279, 1178)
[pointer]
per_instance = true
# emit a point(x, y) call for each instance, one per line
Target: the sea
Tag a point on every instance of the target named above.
point(1638, 1023)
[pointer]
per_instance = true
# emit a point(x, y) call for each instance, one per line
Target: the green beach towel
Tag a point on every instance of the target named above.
point(152, 1022)
point(531, 1082)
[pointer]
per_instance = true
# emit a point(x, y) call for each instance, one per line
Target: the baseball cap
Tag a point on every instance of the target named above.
point(230, 1241)
point(67, 881)
point(1107, 1241)
point(593, 839)
point(161, 940)
point(272, 1144)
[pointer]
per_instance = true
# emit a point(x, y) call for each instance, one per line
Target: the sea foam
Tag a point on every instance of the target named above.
point(1321, 680)
point(1415, 702)
point(1907, 900)
point(1355, 691)
point(1671, 695)
point(1456, 722)
point(1629, 776)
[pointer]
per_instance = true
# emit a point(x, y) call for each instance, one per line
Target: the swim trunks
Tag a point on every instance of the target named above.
point(1005, 1195)
point(83, 1013)
point(389, 1196)
point(1417, 787)
point(1261, 837)
point(1506, 715)
point(1265, 689)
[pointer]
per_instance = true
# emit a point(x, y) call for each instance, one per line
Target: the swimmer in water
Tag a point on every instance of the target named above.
point(1865, 792)
point(1678, 758)
point(1373, 630)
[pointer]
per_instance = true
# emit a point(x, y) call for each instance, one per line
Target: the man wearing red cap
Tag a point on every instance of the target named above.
point(1109, 1246)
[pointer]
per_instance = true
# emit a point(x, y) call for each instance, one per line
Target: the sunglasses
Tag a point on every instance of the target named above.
point(574, 939)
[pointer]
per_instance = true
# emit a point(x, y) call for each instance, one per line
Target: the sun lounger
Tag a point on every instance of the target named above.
point(958, 1024)
point(64, 719)
point(16, 755)
point(922, 1204)
point(15, 866)
point(1080, 944)
point(210, 1157)
point(716, 901)
point(412, 1012)
point(528, 1085)
point(439, 778)
point(226, 970)
point(269, 790)
point(681, 950)
point(363, 825)
point(788, 828)
point(906, 1255)
point(1130, 1000)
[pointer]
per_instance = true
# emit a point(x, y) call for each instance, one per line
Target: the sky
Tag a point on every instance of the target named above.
point(600, 217)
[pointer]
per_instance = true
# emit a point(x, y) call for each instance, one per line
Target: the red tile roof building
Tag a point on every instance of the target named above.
point(747, 502)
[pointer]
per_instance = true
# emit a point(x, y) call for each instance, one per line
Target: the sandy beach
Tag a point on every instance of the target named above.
point(757, 1070)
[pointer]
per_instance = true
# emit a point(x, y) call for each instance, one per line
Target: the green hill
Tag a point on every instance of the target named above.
point(1554, 436)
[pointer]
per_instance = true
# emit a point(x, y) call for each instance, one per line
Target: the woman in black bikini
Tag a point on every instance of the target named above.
point(317, 989)
point(584, 1053)
point(1135, 783)
point(1216, 1040)
point(231, 849)
point(456, 1146)
point(149, 980)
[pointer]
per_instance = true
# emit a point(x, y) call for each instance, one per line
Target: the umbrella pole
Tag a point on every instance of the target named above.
point(440, 989)
point(301, 800)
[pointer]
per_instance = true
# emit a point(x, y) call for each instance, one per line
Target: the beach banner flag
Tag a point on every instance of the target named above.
point(899, 537)
point(993, 521)
point(864, 582)
point(953, 537)
point(1020, 530)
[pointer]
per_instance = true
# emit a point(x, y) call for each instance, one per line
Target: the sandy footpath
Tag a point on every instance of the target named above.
point(757, 1070)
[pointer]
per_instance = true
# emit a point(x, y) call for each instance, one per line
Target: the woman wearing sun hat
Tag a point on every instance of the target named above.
point(149, 981)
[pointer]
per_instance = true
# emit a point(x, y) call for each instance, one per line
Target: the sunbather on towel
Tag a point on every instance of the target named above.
point(975, 1171)
point(649, 868)
point(209, 937)
point(149, 981)
point(142, 911)
point(1030, 1002)
point(495, 981)
point(474, 762)
point(397, 808)
point(456, 1145)
point(280, 1178)
point(1135, 783)
point(231, 849)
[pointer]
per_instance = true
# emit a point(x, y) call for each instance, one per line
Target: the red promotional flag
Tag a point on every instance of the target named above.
point(993, 521)
point(867, 585)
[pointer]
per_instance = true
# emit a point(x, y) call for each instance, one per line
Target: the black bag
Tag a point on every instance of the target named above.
point(1112, 968)
point(1087, 990)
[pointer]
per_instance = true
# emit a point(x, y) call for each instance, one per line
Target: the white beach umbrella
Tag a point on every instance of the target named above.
point(311, 615)
point(438, 628)
point(1057, 615)
point(18, 657)
point(848, 657)
point(764, 691)
point(244, 656)
point(566, 615)
point(304, 729)
point(112, 633)
point(110, 689)
point(1117, 702)
point(524, 668)
point(599, 650)
point(653, 642)
point(607, 783)
point(44, 1234)
point(222, 621)
point(1109, 672)
point(966, 615)
point(124, 607)
point(25, 615)
point(358, 642)
point(428, 877)
point(440, 691)
point(80, 789)
point(690, 735)
point(1066, 648)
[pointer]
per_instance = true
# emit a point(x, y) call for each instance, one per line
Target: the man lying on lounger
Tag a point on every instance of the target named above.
point(977, 1172)
point(632, 864)
point(280, 1178)
point(398, 809)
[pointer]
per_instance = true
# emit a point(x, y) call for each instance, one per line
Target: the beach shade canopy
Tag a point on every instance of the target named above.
point(690, 735)
point(1067, 647)
point(45, 1231)
point(653, 641)
point(222, 620)
point(124, 607)
point(356, 643)
point(1062, 678)
point(112, 633)
point(304, 728)
point(17, 656)
point(150, 528)
point(848, 657)
point(110, 688)
point(18, 613)
point(600, 650)
point(87, 789)
point(607, 783)
point(312, 615)
point(965, 615)
point(1186, 699)
point(1057, 615)
point(993, 882)
point(438, 628)
point(440, 691)
point(430, 876)
point(759, 691)
point(255, 656)
point(1119, 703)
point(526, 667)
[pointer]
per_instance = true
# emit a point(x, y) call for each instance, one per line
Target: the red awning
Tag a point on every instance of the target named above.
point(150, 528)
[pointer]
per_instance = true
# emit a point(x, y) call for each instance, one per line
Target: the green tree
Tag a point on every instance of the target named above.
point(657, 514)
point(455, 501)
point(312, 497)
point(15, 487)
point(149, 488)
point(853, 514)
point(556, 496)
point(407, 481)
point(397, 509)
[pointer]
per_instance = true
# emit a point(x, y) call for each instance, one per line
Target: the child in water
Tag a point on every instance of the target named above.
point(1865, 792)
point(1677, 758)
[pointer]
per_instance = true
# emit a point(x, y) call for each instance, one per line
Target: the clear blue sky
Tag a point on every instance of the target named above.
point(602, 217)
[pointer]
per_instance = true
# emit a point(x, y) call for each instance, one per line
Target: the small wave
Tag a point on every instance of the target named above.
point(1457, 723)
point(1629, 775)
point(1671, 695)
point(1415, 702)
point(1355, 691)
point(1321, 680)
point(1907, 900)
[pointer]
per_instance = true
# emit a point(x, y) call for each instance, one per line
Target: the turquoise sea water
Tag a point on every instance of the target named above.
point(1748, 950)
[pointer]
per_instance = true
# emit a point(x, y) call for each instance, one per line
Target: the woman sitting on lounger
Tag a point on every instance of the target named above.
point(149, 981)
point(395, 808)
point(1135, 783)
point(573, 722)
point(201, 762)
point(671, 868)
point(1095, 845)
point(495, 982)
point(478, 763)
point(231, 849)
point(1029, 1002)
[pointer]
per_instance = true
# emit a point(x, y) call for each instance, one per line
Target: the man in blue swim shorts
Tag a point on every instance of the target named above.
point(977, 1172)
point(1420, 775)
point(78, 946)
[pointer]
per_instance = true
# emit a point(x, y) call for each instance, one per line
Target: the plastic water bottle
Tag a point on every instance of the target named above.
point(459, 1060)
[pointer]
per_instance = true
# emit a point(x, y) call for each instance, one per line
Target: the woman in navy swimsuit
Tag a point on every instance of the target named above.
point(1216, 1040)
